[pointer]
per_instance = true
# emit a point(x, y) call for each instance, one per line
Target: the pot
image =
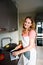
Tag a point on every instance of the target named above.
point(9, 46)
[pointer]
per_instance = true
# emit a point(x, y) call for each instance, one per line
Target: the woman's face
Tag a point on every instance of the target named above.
point(27, 23)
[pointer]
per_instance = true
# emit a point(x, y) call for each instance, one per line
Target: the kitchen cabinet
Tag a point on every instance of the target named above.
point(8, 16)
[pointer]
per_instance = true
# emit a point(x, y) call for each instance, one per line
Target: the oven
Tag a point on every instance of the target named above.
point(39, 41)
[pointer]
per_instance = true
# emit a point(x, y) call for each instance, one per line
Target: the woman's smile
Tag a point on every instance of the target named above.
point(27, 23)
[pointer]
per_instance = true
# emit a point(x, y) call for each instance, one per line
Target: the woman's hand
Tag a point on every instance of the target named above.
point(15, 53)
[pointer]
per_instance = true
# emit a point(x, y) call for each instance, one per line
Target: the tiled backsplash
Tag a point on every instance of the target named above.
point(12, 35)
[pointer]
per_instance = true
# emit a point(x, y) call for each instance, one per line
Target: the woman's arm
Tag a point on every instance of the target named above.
point(32, 37)
point(18, 47)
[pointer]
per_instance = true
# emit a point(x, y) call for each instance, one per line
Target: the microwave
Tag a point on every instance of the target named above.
point(39, 27)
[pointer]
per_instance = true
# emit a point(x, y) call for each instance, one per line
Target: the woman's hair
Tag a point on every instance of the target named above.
point(32, 21)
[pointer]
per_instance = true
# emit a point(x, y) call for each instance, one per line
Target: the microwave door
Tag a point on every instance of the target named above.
point(39, 29)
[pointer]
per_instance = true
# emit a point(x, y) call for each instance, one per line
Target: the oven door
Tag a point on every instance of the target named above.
point(39, 41)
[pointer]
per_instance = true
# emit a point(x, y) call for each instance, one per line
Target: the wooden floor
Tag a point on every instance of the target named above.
point(39, 62)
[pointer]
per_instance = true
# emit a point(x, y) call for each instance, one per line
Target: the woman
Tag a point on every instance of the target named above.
point(28, 43)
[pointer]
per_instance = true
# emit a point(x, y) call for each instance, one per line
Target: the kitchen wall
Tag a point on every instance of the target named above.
point(14, 36)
